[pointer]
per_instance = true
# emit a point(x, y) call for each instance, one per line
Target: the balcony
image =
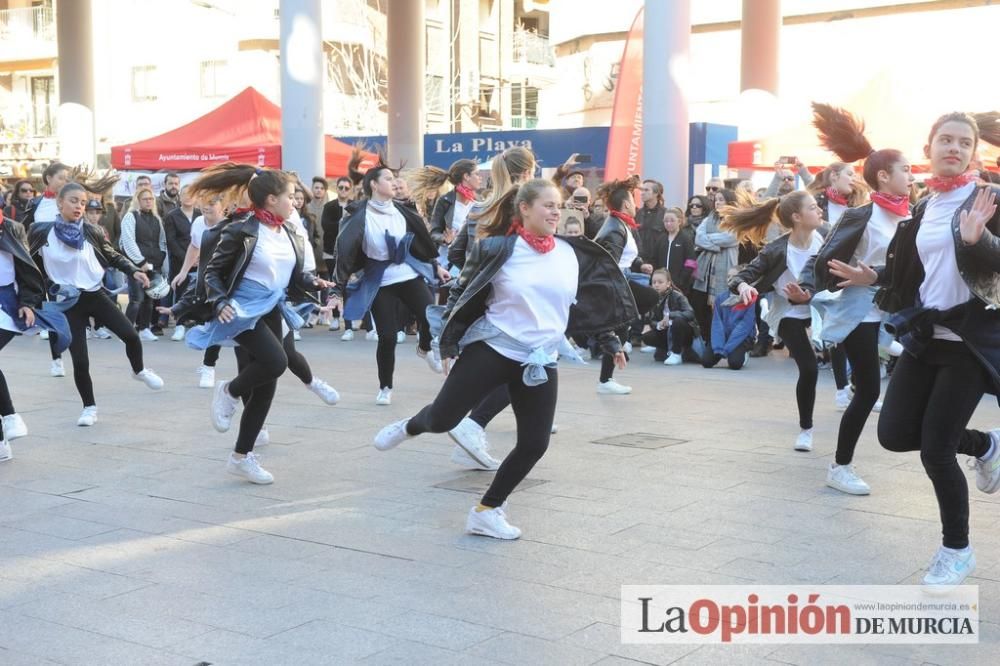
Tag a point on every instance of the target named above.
point(533, 49)
point(28, 35)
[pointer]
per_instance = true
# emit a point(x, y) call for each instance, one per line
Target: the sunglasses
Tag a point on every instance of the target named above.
point(343, 188)
point(695, 205)
point(712, 188)
point(25, 191)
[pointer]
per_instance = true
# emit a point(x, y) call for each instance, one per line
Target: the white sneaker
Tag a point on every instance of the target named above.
point(384, 397)
point(491, 523)
point(673, 359)
point(179, 332)
point(842, 399)
point(44, 335)
point(877, 407)
point(472, 439)
point(804, 442)
point(88, 417)
point(223, 407)
point(263, 438)
point(895, 348)
point(611, 387)
point(326, 393)
point(102, 333)
point(149, 378)
point(14, 427)
point(5, 451)
point(347, 336)
point(296, 336)
point(949, 567)
point(463, 459)
point(646, 349)
point(371, 336)
point(555, 428)
point(843, 478)
point(400, 337)
point(57, 369)
point(392, 435)
point(146, 335)
point(431, 359)
point(207, 379)
point(627, 347)
point(249, 468)
point(987, 468)
point(335, 324)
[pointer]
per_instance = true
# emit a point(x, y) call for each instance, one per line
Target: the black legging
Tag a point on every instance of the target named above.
point(97, 304)
point(793, 333)
point(6, 404)
point(608, 361)
point(487, 409)
point(477, 372)
point(927, 408)
point(838, 362)
point(415, 295)
point(861, 348)
point(678, 336)
point(257, 380)
point(140, 305)
point(297, 363)
point(211, 356)
point(702, 313)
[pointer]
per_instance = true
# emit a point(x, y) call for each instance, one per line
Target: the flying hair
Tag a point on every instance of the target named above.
point(615, 192)
point(92, 181)
point(842, 133)
point(231, 182)
point(750, 222)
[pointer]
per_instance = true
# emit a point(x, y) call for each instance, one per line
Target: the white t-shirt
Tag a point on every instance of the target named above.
point(378, 220)
point(461, 213)
point(308, 258)
point(796, 259)
point(198, 228)
point(69, 266)
point(47, 210)
point(873, 245)
point(6, 268)
point(943, 286)
point(532, 293)
point(631, 252)
point(273, 259)
point(833, 211)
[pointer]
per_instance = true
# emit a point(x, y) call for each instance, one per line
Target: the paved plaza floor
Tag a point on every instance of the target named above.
point(127, 543)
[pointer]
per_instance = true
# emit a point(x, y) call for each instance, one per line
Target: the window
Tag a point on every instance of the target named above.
point(144, 83)
point(213, 78)
point(434, 94)
point(43, 95)
point(523, 105)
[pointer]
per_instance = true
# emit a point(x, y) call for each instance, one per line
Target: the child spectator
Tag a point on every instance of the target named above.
point(732, 331)
point(670, 325)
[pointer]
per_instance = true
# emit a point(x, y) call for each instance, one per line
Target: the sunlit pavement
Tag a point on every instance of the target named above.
point(127, 543)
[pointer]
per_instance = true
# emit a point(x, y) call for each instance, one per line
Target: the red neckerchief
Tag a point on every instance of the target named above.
point(834, 195)
point(466, 192)
point(540, 244)
point(268, 218)
point(897, 204)
point(949, 183)
point(626, 218)
point(49, 194)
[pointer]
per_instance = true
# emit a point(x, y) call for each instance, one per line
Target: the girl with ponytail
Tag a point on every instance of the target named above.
point(257, 265)
point(619, 235)
point(521, 291)
point(451, 209)
point(777, 268)
point(389, 245)
point(860, 236)
point(941, 282)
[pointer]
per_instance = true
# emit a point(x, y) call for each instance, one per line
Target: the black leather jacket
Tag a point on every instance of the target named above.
point(350, 253)
point(682, 257)
point(604, 301)
point(442, 215)
point(460, 248)
point(978, 264)
point(109, 257)
point(679, 306)
point(613, 238)
point(193, 304)
point(232, 256)
point(765, 269)
point(29, 280)
point(840, 244)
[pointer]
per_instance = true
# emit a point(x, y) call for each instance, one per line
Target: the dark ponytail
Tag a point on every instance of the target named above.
point(842, 133)
point(231, 181)
point(93, 182)
point(750, 222)
point(615, 192)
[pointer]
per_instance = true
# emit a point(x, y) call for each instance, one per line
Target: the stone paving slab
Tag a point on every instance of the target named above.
point(127, 543)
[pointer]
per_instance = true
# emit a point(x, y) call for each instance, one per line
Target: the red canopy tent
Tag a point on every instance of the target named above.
point(246, 129)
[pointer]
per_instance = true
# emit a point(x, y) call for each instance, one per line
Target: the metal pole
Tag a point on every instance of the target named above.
point(303, 72)
point(75, 117)
point(406, 37)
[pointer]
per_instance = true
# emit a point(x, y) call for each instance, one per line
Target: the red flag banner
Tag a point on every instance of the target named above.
point(625, 135)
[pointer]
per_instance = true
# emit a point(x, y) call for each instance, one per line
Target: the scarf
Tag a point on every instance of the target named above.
point(382, 207)
point(949, 183)
point(626, 218)
point(466, 192)
point(897, 204)
point(268, 218)
point(70, 233)
point(834, 195)
point(49, 194)
point(540, 244)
